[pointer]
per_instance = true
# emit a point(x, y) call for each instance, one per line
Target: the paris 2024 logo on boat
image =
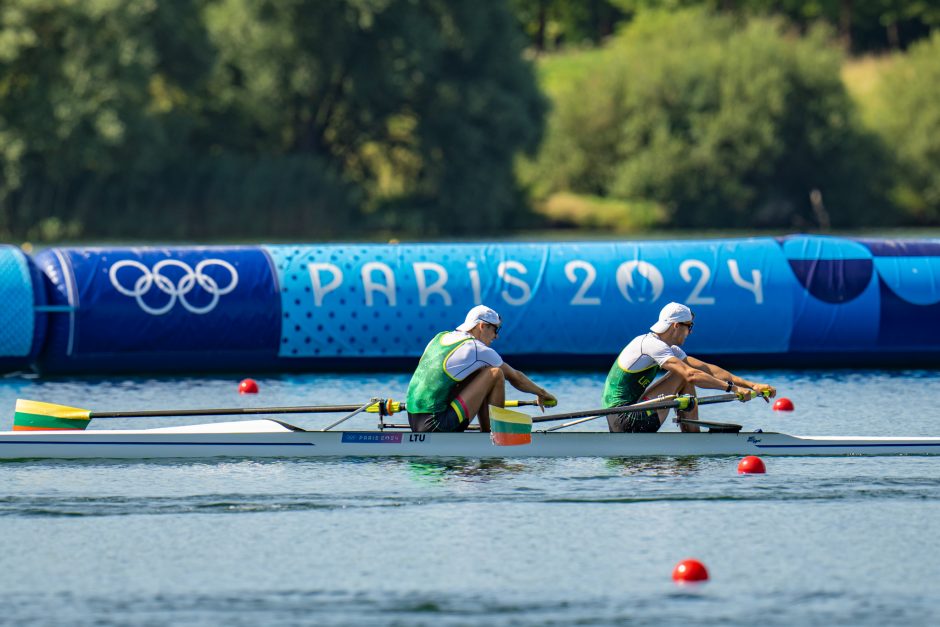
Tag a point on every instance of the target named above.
point(158, 289)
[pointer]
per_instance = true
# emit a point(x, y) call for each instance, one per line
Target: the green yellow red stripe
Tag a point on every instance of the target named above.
point(509, 428)
point(507, 415)
point(460, 408)
point(39, 416)
point(51, 409)
point(510, 439)
point(28, 422)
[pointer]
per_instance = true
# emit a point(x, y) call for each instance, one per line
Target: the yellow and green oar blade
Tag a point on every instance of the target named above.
point(39, 416)
point(36, 415)
point(509, 428)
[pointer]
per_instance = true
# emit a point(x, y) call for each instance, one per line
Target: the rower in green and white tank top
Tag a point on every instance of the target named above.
point(636, 368)
point(449, 358)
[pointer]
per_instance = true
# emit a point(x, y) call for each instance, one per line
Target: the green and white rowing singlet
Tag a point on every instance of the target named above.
point(637, 365)
point(449, 358)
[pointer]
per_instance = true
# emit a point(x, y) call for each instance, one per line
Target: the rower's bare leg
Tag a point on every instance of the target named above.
point(486, 387)
point(497, 398)
point(672, 384)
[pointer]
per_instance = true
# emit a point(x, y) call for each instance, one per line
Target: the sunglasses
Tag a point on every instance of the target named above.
point(688, 325)
point(495, 328)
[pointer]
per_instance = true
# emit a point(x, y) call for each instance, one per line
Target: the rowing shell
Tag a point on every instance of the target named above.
point(270, 438)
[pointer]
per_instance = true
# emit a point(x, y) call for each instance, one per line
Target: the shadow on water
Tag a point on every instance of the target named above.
point(654, 605)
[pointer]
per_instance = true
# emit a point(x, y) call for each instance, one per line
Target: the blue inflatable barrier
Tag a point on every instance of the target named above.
point(159, 309)
point(763, 301)
point(909, 287)
point(566, 301)
point(837, 308)
point(22, 321)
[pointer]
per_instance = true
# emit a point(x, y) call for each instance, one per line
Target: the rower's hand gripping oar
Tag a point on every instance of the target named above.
point(750, 394)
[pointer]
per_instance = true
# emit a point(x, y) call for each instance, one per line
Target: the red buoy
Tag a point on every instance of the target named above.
point(751, 465)
point(783, 404)
point(248, 386)
point(689, 570)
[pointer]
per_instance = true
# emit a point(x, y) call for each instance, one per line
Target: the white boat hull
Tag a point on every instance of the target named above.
point(265, 438)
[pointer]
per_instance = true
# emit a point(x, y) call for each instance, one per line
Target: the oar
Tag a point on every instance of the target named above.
point(40, 416)
point(347, 417)
point(512, 428)
point(682, 402)
point(393, 407)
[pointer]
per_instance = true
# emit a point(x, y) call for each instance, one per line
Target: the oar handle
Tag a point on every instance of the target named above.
point(717, 398)
point(530, 403)
point(735, 396)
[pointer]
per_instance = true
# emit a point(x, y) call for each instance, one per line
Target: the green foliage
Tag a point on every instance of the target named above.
point(432, 98)
point(551, 24)
point(328, 118)
point(907, 117)
point(863, 25)
point(206, 118)
point(91, 88)
point(723, 125)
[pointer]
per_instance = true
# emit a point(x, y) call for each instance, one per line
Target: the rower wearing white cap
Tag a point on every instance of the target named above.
point(460, 376)
point(631, 377)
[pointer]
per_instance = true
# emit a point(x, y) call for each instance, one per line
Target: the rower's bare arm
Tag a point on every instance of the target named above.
point(726, 375)
point(699, 377)
point(523, 383)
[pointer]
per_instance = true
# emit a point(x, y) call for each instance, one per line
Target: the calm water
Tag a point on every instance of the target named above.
point(457, 542)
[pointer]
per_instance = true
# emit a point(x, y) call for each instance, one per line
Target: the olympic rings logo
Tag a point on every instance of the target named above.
point(177, 290)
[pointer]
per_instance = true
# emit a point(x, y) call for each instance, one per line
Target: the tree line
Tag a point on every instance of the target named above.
point(864, 26)
point(319, 119)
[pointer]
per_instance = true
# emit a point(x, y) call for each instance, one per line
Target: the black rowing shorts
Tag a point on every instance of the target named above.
point(445, 421)
point(643, 421)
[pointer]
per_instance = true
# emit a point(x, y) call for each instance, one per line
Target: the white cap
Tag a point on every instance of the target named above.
point(670, 314)
point(480, 313)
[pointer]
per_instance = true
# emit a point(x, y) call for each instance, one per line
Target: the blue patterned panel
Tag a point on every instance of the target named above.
point(17, 316)
point(909, 281)
point(149, 308)
point(387, 301)
point(838, 308)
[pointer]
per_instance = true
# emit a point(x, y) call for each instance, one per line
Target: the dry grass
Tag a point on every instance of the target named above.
point(592, 212)
point(861, 77)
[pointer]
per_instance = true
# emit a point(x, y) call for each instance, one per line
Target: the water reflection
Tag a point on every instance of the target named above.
point(671, 466)
point(443, 470)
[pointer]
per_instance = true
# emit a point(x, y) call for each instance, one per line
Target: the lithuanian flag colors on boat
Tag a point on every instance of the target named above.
point(39, 416)
point(509, 428)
